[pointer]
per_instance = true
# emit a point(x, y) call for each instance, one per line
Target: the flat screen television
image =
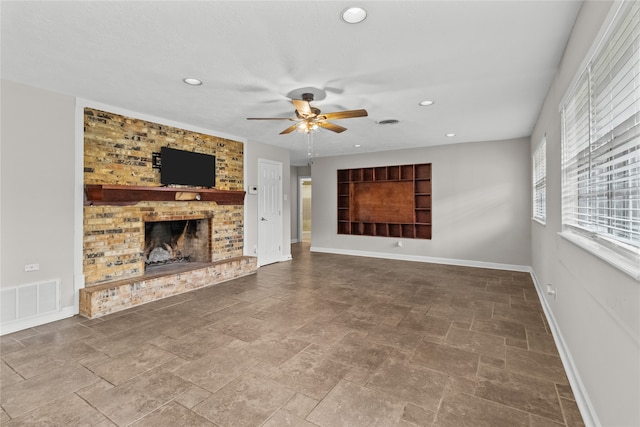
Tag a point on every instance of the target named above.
point(180, 167)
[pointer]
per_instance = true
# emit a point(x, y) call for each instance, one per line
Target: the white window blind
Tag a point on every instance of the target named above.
point(540, 182)
point(601, 143)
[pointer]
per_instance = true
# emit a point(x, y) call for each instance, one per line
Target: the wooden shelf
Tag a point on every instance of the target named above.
point(98, 194)
point(365, 196)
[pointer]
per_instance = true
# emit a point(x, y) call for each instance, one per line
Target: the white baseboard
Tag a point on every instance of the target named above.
point(587, 409)
point(31, 322)
point(294, 241)
point(419, 258)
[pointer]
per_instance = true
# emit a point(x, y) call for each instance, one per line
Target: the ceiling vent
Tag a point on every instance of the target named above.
point(388, 122)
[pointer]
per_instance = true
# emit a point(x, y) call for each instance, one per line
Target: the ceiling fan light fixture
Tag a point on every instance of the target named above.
point(192, 82)
point(353, 15)
point(306, 126)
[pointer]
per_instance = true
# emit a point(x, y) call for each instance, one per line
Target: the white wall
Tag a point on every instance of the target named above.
point(253, 151)
point(37, 188)
point(597, 310)
point(481, 205)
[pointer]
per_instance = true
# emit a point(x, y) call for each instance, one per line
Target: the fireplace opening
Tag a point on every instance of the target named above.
point(176, 241)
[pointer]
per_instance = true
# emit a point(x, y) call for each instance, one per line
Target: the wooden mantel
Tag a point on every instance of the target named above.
point(98, 194)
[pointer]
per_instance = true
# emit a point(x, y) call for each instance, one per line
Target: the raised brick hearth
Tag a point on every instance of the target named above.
point(96, 301)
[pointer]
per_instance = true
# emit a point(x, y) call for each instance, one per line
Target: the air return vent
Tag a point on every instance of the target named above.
point(31, 300)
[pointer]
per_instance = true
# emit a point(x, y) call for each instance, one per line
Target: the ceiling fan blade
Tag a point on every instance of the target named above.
point(289, 129)
point(331, 127)
point(270, 118)
point(344, 114)
point(303, 107)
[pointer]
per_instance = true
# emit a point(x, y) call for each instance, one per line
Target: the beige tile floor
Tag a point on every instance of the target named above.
point(323, 340)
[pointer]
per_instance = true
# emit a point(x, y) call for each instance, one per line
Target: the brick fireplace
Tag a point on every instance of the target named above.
point(116, 246)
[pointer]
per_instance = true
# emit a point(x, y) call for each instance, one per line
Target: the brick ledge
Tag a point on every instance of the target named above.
point(111, 297)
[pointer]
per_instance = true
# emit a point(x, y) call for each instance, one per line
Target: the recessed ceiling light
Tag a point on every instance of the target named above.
point(353, 15)
point(192, 81)
point(426, 103)
point(388, 122)
point(449, 135)
point(357, 145)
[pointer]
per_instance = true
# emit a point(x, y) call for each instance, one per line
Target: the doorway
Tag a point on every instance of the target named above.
point(304, 221)
point(269, 212)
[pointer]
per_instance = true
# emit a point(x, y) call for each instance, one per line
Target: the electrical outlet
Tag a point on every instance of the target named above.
point(552, 292)
point(31, 267)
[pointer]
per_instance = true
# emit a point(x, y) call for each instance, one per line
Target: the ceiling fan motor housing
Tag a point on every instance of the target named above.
point(315, 112)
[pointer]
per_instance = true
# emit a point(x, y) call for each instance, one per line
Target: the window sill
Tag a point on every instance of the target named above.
point(622, 263)
point(539, 221)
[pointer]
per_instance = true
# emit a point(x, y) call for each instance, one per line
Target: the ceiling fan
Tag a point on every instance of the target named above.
point(308, 119)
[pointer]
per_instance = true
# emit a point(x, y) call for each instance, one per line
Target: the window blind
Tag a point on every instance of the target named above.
point(601, 142)
point(540, 182)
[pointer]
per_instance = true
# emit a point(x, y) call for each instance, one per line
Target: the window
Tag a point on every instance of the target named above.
point(540, 182)
point(601, 147)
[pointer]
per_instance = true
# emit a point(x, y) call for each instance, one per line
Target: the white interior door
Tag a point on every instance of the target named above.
point(269, 212)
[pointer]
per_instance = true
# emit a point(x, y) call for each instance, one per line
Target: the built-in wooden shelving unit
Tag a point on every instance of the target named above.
point(387, 201)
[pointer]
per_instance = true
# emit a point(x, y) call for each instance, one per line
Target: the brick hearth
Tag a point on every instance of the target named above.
point(99, 300)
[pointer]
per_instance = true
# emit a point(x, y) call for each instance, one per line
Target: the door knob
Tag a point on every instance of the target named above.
point(263, 219)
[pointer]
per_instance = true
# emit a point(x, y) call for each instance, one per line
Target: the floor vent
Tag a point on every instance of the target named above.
point(30, 300)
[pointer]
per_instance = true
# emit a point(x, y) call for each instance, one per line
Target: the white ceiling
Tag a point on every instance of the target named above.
point(486, 64)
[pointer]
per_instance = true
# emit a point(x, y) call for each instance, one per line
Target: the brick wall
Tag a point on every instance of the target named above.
point(118, 150)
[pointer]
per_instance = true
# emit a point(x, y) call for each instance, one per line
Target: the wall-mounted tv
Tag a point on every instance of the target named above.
point(180, 167)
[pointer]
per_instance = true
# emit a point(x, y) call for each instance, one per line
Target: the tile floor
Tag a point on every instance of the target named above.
point(323, 340)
